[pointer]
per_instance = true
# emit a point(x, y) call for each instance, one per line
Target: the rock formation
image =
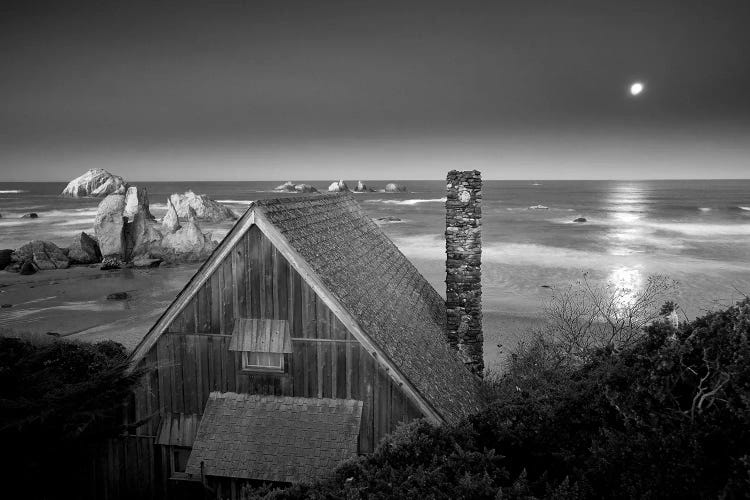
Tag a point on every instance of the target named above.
point(170, 223)
point(187, 244)
point(395, 188)
point(290, 187)
point(142, 239)
point(109, 227)
point(136, 200)
point(44, 254)
point(305, 188)
point(580, 219)
point(287, 187)
point(97, 182)
point(337, 187)
point(84, 250)
point(362, 188)
point(32, 215)
point(205, 208)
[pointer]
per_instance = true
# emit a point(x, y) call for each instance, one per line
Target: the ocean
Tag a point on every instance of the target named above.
point(697, 232)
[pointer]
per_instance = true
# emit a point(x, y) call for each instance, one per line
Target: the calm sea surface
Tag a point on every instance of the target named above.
point(697, 232)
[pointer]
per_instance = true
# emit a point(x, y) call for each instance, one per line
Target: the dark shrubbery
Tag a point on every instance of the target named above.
point(55, 400)
point(667, 417)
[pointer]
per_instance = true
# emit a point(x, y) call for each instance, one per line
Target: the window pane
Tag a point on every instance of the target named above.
point(180, 459)
point(263, 360)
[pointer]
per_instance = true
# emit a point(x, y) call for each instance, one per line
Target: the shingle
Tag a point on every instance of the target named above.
point(390, 300)
point(293, 449)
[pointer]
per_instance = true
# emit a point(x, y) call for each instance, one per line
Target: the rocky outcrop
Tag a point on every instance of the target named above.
point(109, 227)
point(362, 188)
point(44, 254)
point(170, 223)
point(84, 250)
point(287, 187)
point(205, 208)
point(97, 182)
point(395, 188)
point(305, 188)
point(27, 268)
point(136, 200)
point(187, 244)
point(338, 187)
point(142, 239)
point(580, 219)
point(32, 215)
point(290, 187)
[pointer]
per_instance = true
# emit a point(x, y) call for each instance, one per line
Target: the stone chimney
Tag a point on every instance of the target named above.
point(463, 248)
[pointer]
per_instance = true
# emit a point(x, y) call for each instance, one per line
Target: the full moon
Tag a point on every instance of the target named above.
point(636, 88)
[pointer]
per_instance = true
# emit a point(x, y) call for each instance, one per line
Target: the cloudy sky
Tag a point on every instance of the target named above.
point(246, 89)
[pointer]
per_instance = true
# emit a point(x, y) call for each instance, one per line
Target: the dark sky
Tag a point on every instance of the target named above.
point(240, 89)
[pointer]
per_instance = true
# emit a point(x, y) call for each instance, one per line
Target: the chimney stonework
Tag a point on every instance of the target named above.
point(463, 247)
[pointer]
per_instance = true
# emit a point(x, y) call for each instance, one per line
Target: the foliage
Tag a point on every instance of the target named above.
point(55, 399)
point(667, 416)
point(585, 315)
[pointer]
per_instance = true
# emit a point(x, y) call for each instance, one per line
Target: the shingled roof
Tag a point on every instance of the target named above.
point(274, 438)
point(390, 300)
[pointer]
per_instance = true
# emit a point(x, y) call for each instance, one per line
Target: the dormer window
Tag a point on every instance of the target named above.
point(262, 342)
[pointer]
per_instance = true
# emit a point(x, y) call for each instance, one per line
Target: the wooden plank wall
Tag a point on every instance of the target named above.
point(256, 281)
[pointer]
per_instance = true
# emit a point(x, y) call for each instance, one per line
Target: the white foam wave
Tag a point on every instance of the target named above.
point(76, 212)
point(744, 208)
point(236, 202)
point(407, 202)
point(529, 254)
point(12, 191)
point(695, 229)
point(704, 209)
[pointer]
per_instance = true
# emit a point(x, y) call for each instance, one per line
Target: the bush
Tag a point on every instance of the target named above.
point(56, 399)
point(666, 417)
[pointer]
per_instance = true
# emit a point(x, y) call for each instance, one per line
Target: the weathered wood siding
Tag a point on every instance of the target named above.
point(256, 281)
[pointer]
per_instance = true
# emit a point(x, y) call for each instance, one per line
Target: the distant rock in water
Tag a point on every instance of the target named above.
point(290, 187)
point(44, 254)
point(390, 218)
point(305, 188)
point(205, 208)
point(338, 187)
point(580, 219)
point(97, 182)
point(84, 250)
point(287, 187)
point(136, 200)
point(538, 207)
point(32, 215)
point(362, 188)
point(118, 296)
point(395, 188)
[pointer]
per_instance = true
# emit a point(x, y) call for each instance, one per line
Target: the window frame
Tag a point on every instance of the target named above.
point(247, 367)
point(173, 473)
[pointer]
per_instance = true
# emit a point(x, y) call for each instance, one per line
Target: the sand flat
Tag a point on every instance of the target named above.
point(73, 302)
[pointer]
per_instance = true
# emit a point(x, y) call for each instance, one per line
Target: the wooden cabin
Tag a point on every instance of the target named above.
point(302, 341)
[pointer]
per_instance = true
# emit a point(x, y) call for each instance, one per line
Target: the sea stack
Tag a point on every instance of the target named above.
point(463, 247)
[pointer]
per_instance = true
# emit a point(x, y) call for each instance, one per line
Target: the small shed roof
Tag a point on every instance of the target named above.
point(274, 438)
